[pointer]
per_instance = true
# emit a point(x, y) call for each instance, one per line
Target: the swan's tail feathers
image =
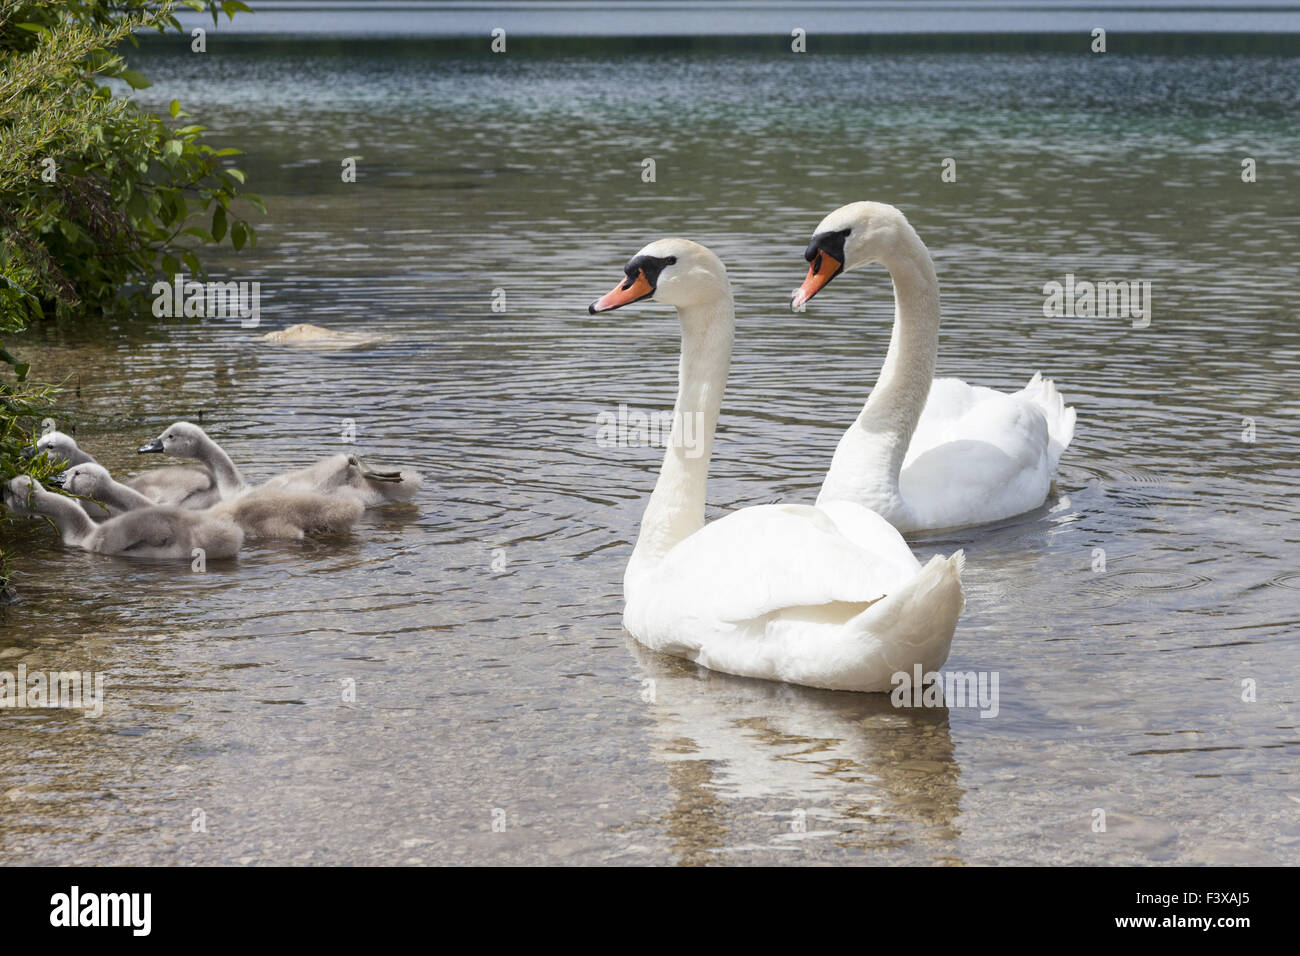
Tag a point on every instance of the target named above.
point(914, 625)
point(1060, 417)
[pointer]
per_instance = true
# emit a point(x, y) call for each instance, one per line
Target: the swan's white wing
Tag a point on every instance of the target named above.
point(956, 411)
point(829, 598)
point(872, 533)
point(977, 455)
point(771, 557)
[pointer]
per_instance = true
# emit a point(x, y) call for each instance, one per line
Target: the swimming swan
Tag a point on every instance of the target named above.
point(155, 532)
point(280, 513)
point(928, 453)
point(338, 474)
point(185, 486)
point(828, 596)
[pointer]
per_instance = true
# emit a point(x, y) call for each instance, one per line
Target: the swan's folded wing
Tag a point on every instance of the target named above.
point(958, 412)
point(172, 483)
point(766, 558)
point(138, 531)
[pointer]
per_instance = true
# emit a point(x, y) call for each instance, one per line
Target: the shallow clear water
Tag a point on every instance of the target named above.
point(482, 624)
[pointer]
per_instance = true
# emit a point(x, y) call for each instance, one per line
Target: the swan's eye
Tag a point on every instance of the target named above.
point(649, 267)
point(829, 242)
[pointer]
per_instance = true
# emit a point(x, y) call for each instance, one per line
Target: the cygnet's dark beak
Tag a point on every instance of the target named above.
point(154, 447)
point(27, 453)
point(59, 480)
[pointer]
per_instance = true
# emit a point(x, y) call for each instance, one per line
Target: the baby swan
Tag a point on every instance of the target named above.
point(153, 532)
point(349, 476)
point(101, 496)
point(345, 475)
point(185, 486)
point(288, 514)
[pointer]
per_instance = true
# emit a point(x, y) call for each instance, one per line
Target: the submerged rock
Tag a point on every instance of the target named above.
point(315, 336)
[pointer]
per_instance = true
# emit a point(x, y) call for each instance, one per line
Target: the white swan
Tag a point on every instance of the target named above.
point(184, 486)
point(288, 513)
point(154, 532)
point(928, 453)
point(829, 596)
point(345, 475)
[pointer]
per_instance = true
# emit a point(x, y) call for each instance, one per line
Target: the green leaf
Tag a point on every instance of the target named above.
point(173, 147)
point(255, 201)
point(236, 174)
point(174, 108)
point(238, 235)
point(228, 151)
point(33, 27)
point(134, 79)
point(219, 224)
point(198, 233)
point(20, 368)
point(137, 207)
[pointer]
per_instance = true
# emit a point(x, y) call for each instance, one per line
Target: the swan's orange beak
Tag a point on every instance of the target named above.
point(629, 290)
point(823, 268)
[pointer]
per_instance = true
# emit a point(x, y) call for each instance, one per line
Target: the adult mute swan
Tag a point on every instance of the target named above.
point(345, 475)
point(184, 486)
point(154, 532)
point(927, 453)
point(829, 596)
point(288, 513)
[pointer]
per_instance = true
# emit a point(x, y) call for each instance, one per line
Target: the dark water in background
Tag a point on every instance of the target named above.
point(482, 689)
point(346, 19)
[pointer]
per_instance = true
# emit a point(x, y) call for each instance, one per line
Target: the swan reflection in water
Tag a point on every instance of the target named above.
point(749, 761)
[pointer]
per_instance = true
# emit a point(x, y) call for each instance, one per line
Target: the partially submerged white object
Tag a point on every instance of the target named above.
point(315, 336)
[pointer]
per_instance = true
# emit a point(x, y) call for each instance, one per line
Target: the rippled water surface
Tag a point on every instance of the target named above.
point(482, 624)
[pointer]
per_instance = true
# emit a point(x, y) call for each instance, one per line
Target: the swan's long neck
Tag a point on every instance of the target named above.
point(870, 457)
point(229, 481)
point(676, 507)
point(120, 496)
point(72, 521)
point(80, 456)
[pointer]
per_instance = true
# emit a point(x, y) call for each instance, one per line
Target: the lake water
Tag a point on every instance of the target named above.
point(481, 625)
